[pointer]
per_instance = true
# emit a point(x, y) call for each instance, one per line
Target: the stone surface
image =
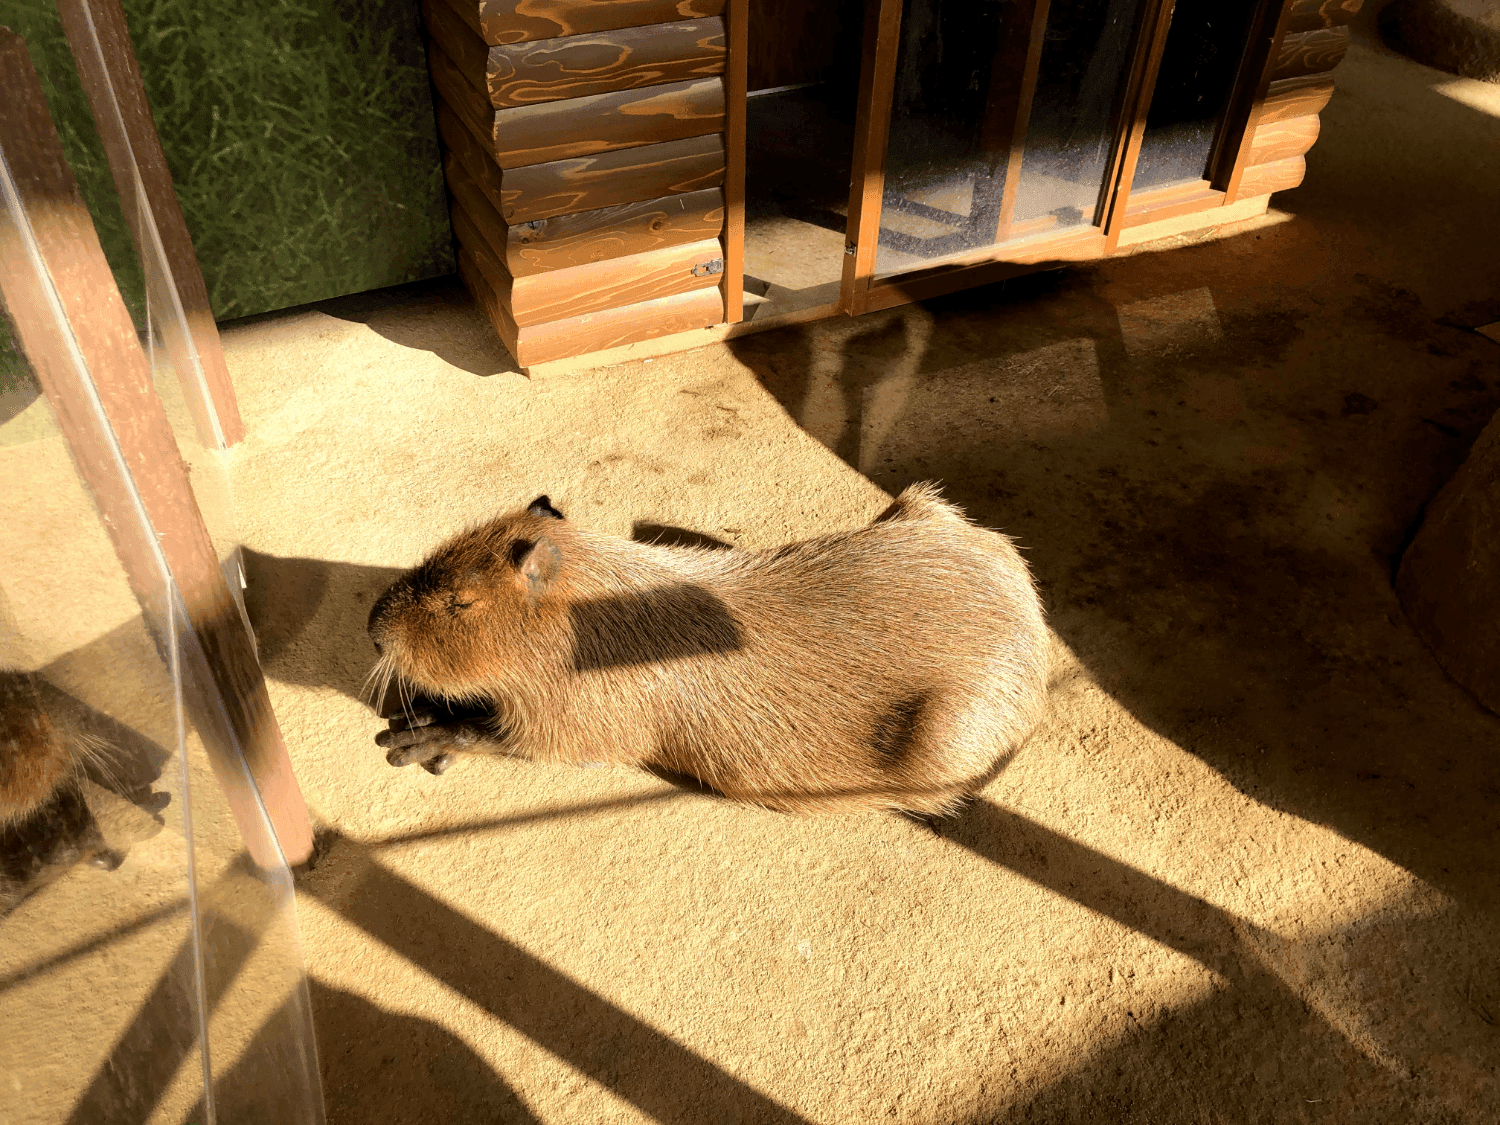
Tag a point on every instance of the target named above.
point(1459, 36)
point(1449, 582)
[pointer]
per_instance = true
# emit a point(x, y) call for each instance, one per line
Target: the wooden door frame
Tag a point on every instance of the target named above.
point(861, 292)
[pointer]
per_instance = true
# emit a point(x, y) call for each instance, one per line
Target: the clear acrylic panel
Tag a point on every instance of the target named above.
point(970, 161)
point(149, 971)
point(1192, 92)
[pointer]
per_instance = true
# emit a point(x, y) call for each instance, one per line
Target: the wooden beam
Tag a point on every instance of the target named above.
point(111, 78)
point(1150, 45)
point(734, 155)
point(586, 183)
point(519, 21)
point(98, 382)
point(544, 70)
point(872, 121)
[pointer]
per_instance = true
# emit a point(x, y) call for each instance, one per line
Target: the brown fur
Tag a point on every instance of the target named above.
point(45, 824)
point(896, 666)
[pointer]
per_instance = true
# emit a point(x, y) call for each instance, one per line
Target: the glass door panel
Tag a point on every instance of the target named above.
point(1004, 119)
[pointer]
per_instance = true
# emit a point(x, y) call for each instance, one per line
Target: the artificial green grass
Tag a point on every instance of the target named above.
point(300, 137)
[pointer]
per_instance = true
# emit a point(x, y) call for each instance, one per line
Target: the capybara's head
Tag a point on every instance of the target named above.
point(477, 608)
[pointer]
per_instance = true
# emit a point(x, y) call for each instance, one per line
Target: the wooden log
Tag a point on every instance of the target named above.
point(499, 22)
point(1309, 52)
point(537, 134)
point(586, 183)
point(627, 280)
point(1282, 140)
point(578, 65)
point(1294, 97)
point(1309, 15)
point(461, 96)
point(558, 294)
point(462, 44)
point(489, 303)
point(542, 191)
point(610, 232)
point(1263, 179)
point(467, 150)
point(593, 332)
point(605, 61)
point(477, 205)
point(485, 255)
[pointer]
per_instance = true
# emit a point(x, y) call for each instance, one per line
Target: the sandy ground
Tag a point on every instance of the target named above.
point(1245, 872)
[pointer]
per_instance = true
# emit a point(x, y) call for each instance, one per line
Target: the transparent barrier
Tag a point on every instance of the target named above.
point(150, 960)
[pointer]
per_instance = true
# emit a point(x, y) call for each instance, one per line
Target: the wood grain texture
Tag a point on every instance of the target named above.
point(467, 150)
point(592, 332)
point(733, 285)
point(225, 692)
point(461, 43)
point(627, 280)
point(1309, 15)
point(1263, 179)
point(486, 255)
point(1281, 140)
point(1294, 97)
point(477, 209)
point(500, 22)
point(577, 65)
point(591, 287)
point(462, 187)
point(489, 303)
point(1169, 202)
point(605, 61)
point(111, 78)
point(1309, 52)
point(877, 85)
point(1150, 45)
point(468, 11)
point(462, 97)
point(537, 134)
point(564, 241)
point(587, 183)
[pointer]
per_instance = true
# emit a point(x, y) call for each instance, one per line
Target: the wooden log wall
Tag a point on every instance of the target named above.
point(1295, 82)
point(585, 158)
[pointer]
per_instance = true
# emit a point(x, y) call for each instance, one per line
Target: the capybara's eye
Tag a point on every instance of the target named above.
point(457, 602)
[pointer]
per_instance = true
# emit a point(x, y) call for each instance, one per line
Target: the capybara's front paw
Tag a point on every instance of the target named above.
point(429, 743)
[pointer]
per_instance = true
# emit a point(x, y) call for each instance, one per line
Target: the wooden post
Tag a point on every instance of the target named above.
point(871, 133)
point(99, 384)
point(1151, 44)
point(734, 160)
point(100, 41)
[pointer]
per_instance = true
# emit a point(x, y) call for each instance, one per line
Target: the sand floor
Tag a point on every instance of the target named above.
point(1247, 870)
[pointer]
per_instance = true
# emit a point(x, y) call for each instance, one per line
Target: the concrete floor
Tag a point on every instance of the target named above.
point(1246, 872)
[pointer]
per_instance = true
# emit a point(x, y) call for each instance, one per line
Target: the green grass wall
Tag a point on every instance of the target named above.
point(300, 137)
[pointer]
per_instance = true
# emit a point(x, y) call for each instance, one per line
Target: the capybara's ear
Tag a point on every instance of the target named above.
point(542, 506)
point(537, 564)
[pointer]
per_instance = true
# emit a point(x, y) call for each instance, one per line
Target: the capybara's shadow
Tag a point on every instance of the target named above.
point(309, 617)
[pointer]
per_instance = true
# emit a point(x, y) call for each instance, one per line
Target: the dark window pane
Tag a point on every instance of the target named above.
point(1192, 90)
